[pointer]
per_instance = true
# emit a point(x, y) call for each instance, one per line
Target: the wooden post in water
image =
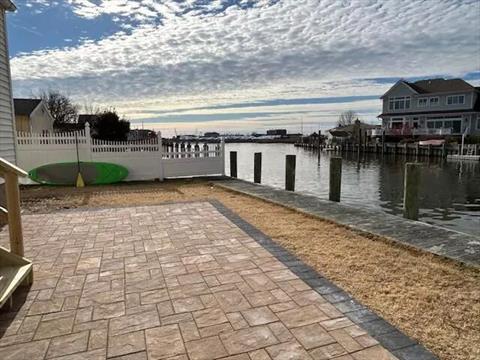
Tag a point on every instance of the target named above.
point(335, 178)
point(318, 149)
point(383, 141)
point(257, 167)
point(411, 189)
point(290, 163)
point(233, 164)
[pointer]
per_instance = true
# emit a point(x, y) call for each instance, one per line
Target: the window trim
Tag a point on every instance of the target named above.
point(426, 102)
point(458, 96)
point(393, 99)
point(430, 101)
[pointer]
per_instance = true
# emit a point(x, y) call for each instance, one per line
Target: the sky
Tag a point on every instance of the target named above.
point(238, 66)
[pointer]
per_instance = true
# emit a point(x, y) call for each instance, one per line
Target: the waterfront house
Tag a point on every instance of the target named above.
point(211, 134)
point(356, 132)
point(7, 124)
point(431, 108)
point(277, 132)
point(32, 115)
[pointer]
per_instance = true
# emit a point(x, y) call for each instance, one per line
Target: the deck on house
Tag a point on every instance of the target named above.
point(180, 281)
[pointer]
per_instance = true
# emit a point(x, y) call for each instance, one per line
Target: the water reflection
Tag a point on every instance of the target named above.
point(450, 191)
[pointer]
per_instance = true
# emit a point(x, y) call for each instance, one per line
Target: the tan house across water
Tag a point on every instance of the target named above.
point(32, 116)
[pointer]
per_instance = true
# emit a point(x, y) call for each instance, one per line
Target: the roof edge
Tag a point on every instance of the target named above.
point(8, 5)
point(401, 81)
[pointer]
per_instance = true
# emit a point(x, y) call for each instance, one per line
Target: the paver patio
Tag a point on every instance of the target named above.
point(174, 281)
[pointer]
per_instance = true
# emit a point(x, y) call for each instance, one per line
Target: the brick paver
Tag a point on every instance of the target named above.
point(176, 281)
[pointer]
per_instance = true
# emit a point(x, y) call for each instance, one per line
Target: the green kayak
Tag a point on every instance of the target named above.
point(93, 173)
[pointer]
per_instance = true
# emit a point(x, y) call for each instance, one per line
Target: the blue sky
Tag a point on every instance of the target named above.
point(238, 65)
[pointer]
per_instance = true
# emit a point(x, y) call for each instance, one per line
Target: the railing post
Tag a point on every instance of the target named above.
point(335, 179)
point(257, 168)
point(14, 218)
point(290, 163)
point(411, 189)
point(233, 164)
point(160, 156)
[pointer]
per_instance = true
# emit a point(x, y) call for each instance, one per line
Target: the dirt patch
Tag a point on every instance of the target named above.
point(433, 300)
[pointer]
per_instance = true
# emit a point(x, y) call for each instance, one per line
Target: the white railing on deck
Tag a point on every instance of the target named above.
point(410, 131)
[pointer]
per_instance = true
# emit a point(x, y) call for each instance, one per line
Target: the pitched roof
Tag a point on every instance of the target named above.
point(25, 106)
point(347, 130)
point(440, 85)
point(8, 5)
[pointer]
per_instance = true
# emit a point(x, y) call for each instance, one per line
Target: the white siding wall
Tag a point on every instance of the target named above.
point(41, 120)
point(7, 130)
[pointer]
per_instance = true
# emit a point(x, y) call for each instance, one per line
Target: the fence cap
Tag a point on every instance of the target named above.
point(8, 167)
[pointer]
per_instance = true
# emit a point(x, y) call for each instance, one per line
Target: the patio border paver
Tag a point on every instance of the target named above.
point(391, 338)
point(437, 240)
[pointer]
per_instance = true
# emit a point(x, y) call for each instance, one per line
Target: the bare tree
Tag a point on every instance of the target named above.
point(346, 118)
point(63, 110)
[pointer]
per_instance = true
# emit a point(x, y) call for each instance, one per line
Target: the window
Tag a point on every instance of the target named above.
point(446, 122)
point(456, 100)
point(399, 103)
point(422, 102)
point(434, 101)
point(457, 126)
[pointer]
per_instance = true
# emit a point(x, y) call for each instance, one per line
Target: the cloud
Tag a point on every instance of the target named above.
point(197, 53)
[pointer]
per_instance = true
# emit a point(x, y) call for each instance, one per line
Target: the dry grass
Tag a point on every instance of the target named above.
point(433, 300)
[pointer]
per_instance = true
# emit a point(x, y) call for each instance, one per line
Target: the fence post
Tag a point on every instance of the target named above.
point(411, 187)
point(88, 141)
point(233, 164)
point(257, 167)
point(290, 162)
point(160, 155)
point(335, 178)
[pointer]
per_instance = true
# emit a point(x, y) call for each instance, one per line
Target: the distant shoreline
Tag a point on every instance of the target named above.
point(217, 140)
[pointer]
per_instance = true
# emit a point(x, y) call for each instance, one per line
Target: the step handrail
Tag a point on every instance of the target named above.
point(10, 173)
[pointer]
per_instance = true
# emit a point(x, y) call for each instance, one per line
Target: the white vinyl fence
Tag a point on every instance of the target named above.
point(144, 159)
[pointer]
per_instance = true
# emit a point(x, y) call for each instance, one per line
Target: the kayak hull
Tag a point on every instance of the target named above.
point(93, 173)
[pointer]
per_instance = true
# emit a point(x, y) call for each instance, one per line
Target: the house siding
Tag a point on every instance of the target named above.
point(41, 120)
point(7, 126)
point(470, 98)
point(22, 123)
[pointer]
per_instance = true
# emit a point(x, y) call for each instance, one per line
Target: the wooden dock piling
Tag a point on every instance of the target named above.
point(257, 167)
point(290, 163)
point(411, 190)
point(233, 164)
point(335, 178)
